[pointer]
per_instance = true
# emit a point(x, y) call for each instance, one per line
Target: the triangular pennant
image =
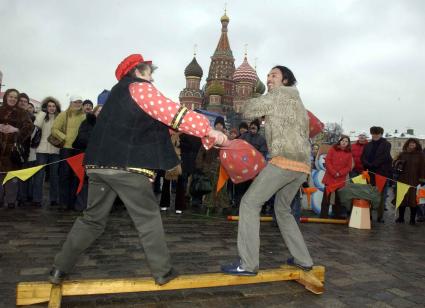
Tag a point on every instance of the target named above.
point(222, 178)
point(23, 174)
point(359, 179)
point(401, 192)
point(76, 164)
point(331, 188)
point(380, 182)
point(420, 195)
point(365, 175)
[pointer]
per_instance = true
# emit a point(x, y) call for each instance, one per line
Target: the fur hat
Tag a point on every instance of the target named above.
point(220, 120)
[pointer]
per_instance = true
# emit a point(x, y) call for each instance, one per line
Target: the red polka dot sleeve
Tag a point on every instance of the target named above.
point(172, 114)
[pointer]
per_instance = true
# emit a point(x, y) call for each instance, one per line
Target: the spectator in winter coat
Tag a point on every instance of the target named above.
point(254, 138)
point(47, 153)
point(15, 127)
point(412, 162)
point(65, 127)
point(87, 106)
point(357, 151)
point(376, 157)
point(339, 162)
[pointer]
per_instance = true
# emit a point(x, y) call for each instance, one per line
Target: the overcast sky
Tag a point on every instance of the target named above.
point(359, 62)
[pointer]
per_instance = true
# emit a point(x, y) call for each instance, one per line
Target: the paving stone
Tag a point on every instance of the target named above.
point(399, 292)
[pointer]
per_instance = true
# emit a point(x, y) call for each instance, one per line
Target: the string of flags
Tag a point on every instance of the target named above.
point(75, 162)
point(364, 178)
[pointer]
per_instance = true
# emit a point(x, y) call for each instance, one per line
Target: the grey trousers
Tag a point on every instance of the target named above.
point(135, 190)
point(285, 184)
point(8, 191)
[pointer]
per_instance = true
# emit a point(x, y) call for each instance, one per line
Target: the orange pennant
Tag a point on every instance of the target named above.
point(309, 191)
point(222, 178)
point(365, 175)
point(380, 182)
point(420, 195)
point(331, 188)
point(76, 164)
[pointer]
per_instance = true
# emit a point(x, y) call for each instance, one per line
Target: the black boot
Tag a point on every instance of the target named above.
point(400, 219)
point(413, 215)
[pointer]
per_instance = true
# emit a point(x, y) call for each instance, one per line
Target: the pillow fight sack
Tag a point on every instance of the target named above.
point(241, 160)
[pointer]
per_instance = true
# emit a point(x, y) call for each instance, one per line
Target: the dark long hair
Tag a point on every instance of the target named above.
point(414, 140)
point(348, 148)
point(287, 74)
point(7, 93)
point(47, 100)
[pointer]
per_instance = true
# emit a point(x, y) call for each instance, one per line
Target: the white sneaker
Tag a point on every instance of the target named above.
point(163, 209)
point(179, 212)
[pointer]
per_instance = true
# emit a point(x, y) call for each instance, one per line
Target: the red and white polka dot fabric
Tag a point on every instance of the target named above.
point(241, 160)
point(161, 108)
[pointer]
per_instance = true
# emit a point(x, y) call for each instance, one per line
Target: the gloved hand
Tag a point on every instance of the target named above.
point(219, 137)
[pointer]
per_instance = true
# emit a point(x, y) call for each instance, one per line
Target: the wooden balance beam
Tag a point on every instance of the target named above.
point(28, 293)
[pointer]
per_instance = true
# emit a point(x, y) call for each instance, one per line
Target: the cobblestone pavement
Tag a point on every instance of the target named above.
point(382, 267)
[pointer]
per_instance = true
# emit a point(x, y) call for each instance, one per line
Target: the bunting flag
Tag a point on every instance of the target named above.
point(309, 191)
point(380, 182)
point(420, 195)
point(23, 174)
point(222, 178)
point(401, 192)
point(331, 188)
point(76, 164)
point(360, 179)
point(365, 175)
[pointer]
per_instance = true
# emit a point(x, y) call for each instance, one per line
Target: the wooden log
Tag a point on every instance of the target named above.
point(29, 293)
point(55, 296)
point(302, 219)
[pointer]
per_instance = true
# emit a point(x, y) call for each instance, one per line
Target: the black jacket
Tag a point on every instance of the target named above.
point(84, 132)
point(379, 162)
point(126, 137)
point(257, 141)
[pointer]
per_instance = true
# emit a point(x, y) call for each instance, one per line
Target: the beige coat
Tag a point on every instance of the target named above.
point(46, 129)
point(75, 118)
point(286, 127)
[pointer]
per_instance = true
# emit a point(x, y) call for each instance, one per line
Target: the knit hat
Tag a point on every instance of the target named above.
point(74, 98)
point(88, 102)
point(103, 96)
point(220, 120)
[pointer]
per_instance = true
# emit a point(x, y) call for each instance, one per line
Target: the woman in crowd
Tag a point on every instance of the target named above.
point(47, 153)
point(15, 127)
point(80, 143)
point(339, 162)
point(411, 164)
point(65, 128)
point(209, 163)
point(357, 151)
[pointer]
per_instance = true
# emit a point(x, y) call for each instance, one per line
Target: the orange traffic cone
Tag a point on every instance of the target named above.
point(360, 214)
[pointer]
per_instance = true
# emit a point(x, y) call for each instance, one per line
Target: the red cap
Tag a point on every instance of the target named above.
point(128, 63)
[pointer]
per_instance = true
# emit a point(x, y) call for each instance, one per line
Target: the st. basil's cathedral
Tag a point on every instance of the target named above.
point(226, 88)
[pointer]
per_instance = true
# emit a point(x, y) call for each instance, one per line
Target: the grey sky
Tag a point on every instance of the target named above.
point(360, 61)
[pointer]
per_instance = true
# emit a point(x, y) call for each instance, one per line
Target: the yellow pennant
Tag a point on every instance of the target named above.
point(23, 174)
point(359, 179)
point(401, 192)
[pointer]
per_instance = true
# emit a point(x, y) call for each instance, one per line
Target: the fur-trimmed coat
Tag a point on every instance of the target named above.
point(20, 119)
point(286, 127)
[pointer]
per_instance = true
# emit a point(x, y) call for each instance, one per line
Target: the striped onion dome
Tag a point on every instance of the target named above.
point(245, 72)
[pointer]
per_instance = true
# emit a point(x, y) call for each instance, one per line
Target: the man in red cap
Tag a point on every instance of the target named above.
point(130, 141)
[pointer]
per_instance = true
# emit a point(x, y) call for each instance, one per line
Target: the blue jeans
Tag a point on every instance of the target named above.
point(44, 158)
point(25, 188)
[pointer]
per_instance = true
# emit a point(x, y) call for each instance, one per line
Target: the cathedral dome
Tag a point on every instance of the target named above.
point(245, 72)
point(224, 18)
point(215, 88)
point(193, 69)
point(260, 88)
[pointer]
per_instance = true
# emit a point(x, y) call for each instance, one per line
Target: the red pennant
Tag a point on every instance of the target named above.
point(331, 188)
point(380, 182)
point(76, 164)
point(365, 175)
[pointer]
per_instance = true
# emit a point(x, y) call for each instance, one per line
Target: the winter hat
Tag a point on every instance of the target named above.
point(220, 120)
point(103, 96)
point(88, 102)
point(74, 98)
point(128, 64)
point(362, 133)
